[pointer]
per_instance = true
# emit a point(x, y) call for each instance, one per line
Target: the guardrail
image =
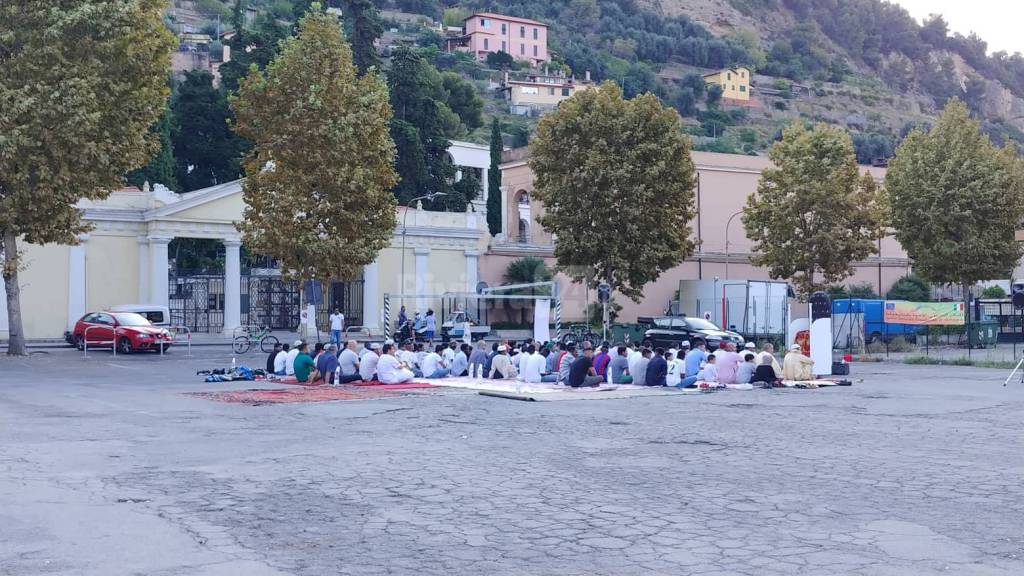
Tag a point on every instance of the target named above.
point(177, 329)
point(85, 340)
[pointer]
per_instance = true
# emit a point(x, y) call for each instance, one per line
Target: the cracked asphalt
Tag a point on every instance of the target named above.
point(108, 468)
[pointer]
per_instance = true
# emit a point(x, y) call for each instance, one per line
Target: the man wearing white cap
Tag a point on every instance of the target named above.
point(502, 366)
point(796, 366)
point(368, 363)
point(289, 361)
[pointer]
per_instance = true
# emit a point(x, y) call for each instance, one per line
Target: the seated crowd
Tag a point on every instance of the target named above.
point(533, 362)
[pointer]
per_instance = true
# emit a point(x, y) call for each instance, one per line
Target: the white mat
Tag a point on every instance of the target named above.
point(516, 386)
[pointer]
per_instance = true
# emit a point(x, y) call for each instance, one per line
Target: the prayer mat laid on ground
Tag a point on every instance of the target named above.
point(403, 386)
point(609, 393)
point(257, 397)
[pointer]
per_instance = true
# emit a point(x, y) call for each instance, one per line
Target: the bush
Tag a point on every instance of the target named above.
point(500, 60)
point(993, 292)
point(900, 344)
point(910, 287)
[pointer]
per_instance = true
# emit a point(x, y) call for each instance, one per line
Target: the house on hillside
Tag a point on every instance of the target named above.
point(484, 33)
point(538, 93)
point(735, 83)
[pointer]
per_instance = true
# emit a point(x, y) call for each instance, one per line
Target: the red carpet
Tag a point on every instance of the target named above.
point(256, 397)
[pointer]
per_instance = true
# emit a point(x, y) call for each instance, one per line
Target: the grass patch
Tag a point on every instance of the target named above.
point(961, 361)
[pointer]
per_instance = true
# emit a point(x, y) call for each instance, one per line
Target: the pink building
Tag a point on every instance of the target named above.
point(484, 33)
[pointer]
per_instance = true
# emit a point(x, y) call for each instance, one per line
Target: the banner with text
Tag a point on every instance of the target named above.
point(924, 313)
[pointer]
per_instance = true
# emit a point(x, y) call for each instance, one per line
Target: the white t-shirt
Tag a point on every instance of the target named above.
point(709, 373)
point(387, 368)
point(407, 356)
point(449, 355)
point(337, 321)
point(673, 378)
point(431, 363)
point(533, 367)
point(348, 360)
point(289, 363)
point(280, 361)
point(368, 365)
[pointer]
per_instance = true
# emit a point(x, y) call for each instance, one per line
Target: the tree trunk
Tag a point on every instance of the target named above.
point(16, 335)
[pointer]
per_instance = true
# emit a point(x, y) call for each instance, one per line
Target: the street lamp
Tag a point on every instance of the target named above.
point(727, 253)
point(405, 217)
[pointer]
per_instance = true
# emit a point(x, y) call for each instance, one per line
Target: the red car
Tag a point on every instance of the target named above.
point(129, 330)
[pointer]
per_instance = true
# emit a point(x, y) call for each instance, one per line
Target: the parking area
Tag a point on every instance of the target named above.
point(108, 466)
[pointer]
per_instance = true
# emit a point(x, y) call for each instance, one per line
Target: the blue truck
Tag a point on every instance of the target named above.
point(844, 318)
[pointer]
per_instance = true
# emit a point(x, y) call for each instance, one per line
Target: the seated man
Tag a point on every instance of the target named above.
point(303, 364)
point(281, 359)
point(368, 363)
point(433, 364)
point(349, 363)
point(327, 364)
point(390, 370)
point(618, 367)
point(581, 373)
point(709, 374)
point(765, 372)
point(502, 367)
point(796, 366)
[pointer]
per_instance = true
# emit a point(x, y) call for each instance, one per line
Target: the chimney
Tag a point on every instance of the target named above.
point(586, 75)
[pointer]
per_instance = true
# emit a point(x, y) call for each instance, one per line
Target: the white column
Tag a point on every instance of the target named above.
point(232, 286)
point(158, 270)
point(371, 295)
point(485, 189)
point(143, 270)
point(76, 281)
point(472, 271)
point(421, 278)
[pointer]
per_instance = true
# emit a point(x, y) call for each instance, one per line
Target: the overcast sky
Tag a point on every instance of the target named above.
point(998, 22)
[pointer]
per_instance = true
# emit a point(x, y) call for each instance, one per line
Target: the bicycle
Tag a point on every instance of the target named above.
point(242, 343)
point(579, 333)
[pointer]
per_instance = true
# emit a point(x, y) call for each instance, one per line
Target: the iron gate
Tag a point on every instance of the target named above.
point(270, 301)
point(344, 296)
point(197, 301)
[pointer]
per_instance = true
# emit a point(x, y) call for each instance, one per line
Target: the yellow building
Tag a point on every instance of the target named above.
point(735, 82)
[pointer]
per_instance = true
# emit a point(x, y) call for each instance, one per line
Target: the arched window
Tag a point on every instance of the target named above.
point(523, 212)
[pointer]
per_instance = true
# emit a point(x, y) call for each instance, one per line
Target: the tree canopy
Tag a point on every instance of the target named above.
point(813, 214)
point(319, 178)
point(207, 151)
point(957, 201)
point(81, 84)
point(494, 206)
point(616, 180)
point(363, 27)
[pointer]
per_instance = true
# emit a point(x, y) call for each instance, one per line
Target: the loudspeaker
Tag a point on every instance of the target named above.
point(1018, 300)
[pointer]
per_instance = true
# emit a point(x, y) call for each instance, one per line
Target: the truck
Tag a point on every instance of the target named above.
point(454, 327)
point(753, 308)
point(861, 320)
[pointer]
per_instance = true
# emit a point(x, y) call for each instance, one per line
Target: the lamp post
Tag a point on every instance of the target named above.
point(405, 217)
point(727, 253)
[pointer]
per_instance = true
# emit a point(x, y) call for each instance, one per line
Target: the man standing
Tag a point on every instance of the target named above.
point(349, 363)
point(695, 358)
point(272, 357)
point(303, 363)
point(431, 324)
point(619, 367)
point(390, 370)
point(796, 366)
point(289, 363)
point(327, 363)
point(581, 372)
point(337, 327)
point(657, 369)
point(368, 364)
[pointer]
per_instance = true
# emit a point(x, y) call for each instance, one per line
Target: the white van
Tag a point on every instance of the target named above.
point(158, 315)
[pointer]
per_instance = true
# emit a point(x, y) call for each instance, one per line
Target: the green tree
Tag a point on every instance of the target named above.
point(616, 180)
point(81, 83)
point(207, 151)
point(527, 270)
point(500, 60)
point(494, 206)
point(910, 287)
point(957, 201)
point(813, 214)
point(364, 28)
point(318, 181)
point(420, 128)
point(462, 98)
point(994, 291)
point(251, 47)
point(160, 169)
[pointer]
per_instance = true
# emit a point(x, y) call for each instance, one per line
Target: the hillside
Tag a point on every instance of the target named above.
point(863, 64)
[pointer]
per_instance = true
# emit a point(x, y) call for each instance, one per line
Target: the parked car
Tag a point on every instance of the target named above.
point(131, 332)
point(158, 315)
point(669, 331)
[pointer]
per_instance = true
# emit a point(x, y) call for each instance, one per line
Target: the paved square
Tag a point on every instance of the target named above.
point(108, 468)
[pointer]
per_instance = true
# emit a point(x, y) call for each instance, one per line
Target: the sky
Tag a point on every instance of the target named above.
point(995, 21)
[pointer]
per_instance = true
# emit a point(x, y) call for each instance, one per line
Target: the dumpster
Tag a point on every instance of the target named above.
point(982, 334)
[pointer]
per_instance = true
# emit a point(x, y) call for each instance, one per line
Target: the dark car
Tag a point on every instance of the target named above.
point(669, 331)
point(129, 331)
